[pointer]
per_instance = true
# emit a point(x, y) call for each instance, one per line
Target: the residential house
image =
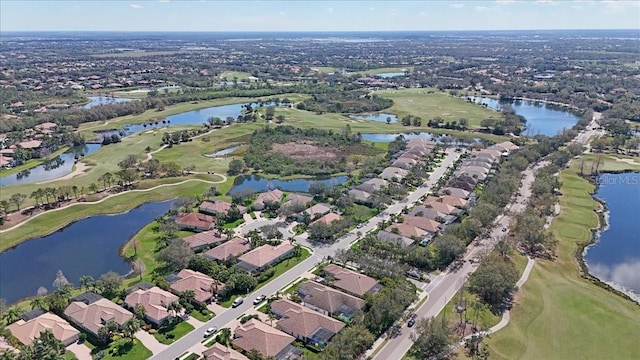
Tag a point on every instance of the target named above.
point(218, 351)
point(273, 196)
point(505, 147)
point(318, 210)
point(229, 250)
point(360, 196)
point(423, 223)
point(461, 193)
point(392, 238)
point(479, 175)
point(329, 301)
point(444, 208)
point(155, 302)
point(492, 152)
point(203, 286)
point(477, 162)
point(410, 231)
point(33, 323)
point(263, 256)
point(218, 208)
point(304, 324)
point(296, 200)
point(327, 219)
point(404, 163)
point(194, 221)
point(267, 340)
point(91, 311)
point(200, 241)
point(390, 173)
point(454, 201)
point(351, 281)
point(30, 144)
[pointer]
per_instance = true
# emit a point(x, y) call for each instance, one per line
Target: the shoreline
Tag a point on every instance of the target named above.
point(583, 269)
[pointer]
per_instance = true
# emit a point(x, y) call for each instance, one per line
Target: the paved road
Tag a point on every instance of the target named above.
point(320, 252)
point(445, 285)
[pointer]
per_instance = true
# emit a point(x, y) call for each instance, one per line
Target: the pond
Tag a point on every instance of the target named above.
point(379, 117)
point(615, 257)
point(224, 152)
point(194, 117)
point(259, 184)
point(541, 118)
point(389, 75)
point(104, 100)
point(86, 247)
point(54, 168)
point(416, 135)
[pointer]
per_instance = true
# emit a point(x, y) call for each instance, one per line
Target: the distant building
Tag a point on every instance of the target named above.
point(194, 221)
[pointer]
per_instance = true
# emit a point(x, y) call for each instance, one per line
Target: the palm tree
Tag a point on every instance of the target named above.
point(174, 308)
point(130, 328)
point(38, 302)
point(87, 282)
point(224, 336)
point(140, 311)
point(12, 314)
point(188, 295)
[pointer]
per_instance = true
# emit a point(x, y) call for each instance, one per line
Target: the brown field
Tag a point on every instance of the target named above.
point(301, 150)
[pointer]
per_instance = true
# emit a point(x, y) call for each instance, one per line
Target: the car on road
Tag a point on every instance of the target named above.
point(259, 299)
point(504, 229)
point(411, 322)
point(210, 331)
point(237, 302)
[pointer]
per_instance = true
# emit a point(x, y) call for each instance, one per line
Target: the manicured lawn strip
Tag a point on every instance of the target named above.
point(229, 75)
point(429, 103)
point(559, 315)
point(180, 330)
point(52, 221)
point(137, 351)
point(380, 71)
point(233, 225)
point(196, 314)
point(608, 162)
point(146, 245)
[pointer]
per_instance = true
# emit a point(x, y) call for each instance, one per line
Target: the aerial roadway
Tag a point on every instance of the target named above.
point(192, 339)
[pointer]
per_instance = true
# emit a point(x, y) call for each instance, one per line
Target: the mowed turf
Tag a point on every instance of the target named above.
point(559, 315)
point(429, 103)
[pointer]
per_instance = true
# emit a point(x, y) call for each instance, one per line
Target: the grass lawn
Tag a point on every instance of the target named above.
point(145, 243)
point(325, 69)
point(608, 162)
point(559, 315)
point(381, 71)
point(179, 330)
point(233, 225)
point(429, 103)
point(125, 350)
point(239, 75)
point(199, 316)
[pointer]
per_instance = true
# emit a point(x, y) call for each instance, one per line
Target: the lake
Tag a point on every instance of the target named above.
point(86, 247)
point(194, 117)
point(541, 119)
point(259, 184)
point(379, 117)
point(615, 257)
point(104, 100)
point(51, 169)
point(390, 75)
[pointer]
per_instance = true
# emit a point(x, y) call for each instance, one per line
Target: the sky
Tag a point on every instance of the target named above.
point(318, 15)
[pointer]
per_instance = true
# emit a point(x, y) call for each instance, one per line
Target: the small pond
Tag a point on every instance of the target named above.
point(541, 119)
point(86, 247)
point(379, 117)
point(224, 152)
point(104, 100)
point(54, 168)
point(259, 184)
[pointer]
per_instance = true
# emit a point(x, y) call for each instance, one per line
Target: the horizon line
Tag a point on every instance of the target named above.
point(308, 31)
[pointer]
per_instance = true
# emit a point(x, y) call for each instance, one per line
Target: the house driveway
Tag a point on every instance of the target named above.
point(217, 309)
point(150, 342)
point(81, 351)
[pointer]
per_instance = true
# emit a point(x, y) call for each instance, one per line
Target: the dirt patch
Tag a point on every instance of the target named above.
point(304, 150)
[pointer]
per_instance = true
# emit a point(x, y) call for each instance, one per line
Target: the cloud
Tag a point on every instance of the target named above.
point(545, 2)
point(135, 6)
point(505, 2)
point(164, 1)
point(618, 6)
point(282, 13)
point(422, 13)
point(456, 6)
point(626, 273)
point(481, 8)
point(330, 10)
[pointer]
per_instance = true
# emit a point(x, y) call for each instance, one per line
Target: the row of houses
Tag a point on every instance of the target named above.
point(416, 151)
point(424, 221)
point(323, 313)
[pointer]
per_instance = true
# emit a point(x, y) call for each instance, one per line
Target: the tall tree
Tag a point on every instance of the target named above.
point(18, 199)
point(432, 339)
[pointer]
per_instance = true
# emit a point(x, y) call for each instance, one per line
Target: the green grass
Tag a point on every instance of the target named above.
point(559, 315)
point(196, 314)
point(229, 75)
point(325, 69)
point(179, 330)
point(233, 225)
point(135, 351)
point(429, 103)
point(608, 162)
point(381, 70)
